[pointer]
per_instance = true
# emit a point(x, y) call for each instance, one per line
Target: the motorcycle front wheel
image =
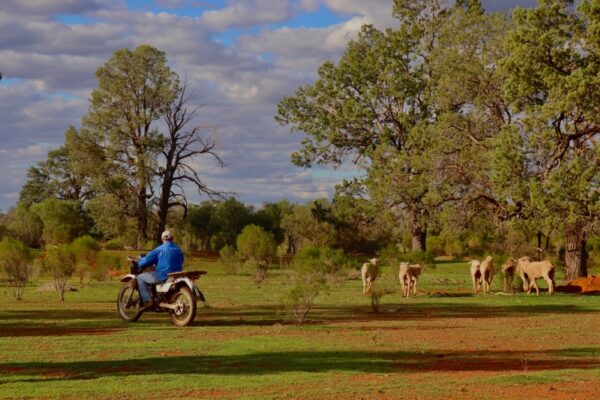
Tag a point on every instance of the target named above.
point(185, 307)
point(128, 304)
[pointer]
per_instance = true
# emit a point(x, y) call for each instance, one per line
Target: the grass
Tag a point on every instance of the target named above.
point(444, 343)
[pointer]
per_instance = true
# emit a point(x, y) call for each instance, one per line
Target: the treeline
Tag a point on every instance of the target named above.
point(476, 132)
point(466, 119)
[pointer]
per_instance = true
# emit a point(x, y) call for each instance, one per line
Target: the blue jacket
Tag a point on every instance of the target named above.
point(167, 257)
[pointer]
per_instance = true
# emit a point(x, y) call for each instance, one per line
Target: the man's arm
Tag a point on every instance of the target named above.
point(150, 259)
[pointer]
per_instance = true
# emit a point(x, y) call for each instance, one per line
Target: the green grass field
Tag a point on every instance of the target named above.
point(444, 343)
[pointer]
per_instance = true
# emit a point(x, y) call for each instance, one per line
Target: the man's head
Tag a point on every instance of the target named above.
point(167, 235)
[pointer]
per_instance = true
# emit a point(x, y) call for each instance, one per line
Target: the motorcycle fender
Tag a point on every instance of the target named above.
point(127, 278)
point(199, 295)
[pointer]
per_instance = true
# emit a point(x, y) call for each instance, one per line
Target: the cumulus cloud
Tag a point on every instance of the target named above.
point(45, 7)
point(245, 13)
point(49, 68)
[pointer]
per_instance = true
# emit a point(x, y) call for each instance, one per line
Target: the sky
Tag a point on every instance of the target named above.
point(241, 57)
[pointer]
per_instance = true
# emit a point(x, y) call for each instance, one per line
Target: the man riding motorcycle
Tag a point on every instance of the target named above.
point(168, 258)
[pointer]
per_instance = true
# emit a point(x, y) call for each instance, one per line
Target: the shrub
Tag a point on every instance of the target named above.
point(105, 263)
point(455, 248)
point(114, 244)
point(16, 263)
point(310, 270)
point(258, 248)
point(435, 244)
point(59, 263)
point(85, 249)
point(230, 259)
point(390, 253)
point(424, 258)
point(258, 271)
point(305, 284)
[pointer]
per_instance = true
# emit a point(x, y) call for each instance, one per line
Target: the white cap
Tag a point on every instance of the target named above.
point(166, 235)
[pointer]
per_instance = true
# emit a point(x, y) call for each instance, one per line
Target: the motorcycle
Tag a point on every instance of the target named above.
point(177, 296)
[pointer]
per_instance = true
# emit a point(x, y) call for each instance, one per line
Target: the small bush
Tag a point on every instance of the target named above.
point(85, 249)
point(16, 262)
point(105, 263)
point(424, 258)
point(230, 259)
point(258, 270)
point(305, 284)
point(455, 248)
point(59, 263)
point(114, 244)
point(258, 248)
point(376, 296)
point(310, 271)
point(435, 244)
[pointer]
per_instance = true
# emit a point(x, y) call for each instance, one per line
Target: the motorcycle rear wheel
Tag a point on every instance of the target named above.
point(129, 304)
point(185, 304)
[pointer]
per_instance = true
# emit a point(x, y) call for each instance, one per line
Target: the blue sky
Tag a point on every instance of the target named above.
point(240, 56)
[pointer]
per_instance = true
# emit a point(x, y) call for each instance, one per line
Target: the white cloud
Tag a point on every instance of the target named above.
point(52, 66)
point(244, 13)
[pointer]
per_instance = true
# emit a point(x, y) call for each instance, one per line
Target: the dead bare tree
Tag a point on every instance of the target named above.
point(185, 142)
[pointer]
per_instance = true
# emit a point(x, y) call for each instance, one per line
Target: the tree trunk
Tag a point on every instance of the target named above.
point(576, 254)
point(419, 235)
point(163, 207)
point(539, 245)
point(142, 218)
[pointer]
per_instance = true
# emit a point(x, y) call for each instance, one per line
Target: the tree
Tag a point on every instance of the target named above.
point(270, 215)
point(551, 75)
point(118, 138)
point(63, 220)
point(59, 263)
point(56, 176)
point(374, 107)
point(200, 224)
point(231, 216)
point(257, 246)
point(303, 228)
point(16, 261)
point(25, 225)
point(85, 251)
point(183, 145)
point(111, 219)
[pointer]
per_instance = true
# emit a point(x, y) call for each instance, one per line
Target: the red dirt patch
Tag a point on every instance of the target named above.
point(588, 285)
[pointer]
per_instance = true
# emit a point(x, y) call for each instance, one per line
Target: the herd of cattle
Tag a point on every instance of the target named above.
point(482, 273)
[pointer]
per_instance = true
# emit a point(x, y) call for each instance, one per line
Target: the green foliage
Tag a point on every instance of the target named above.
point(455, 248)
point(55, 177)
point(435, 244)
point(114, 244)
point(63, 220)
point(304, 228)
point(26, 225)
point(16, 263)
point(105, 263)
point(258, 248)
point(59, 263)
point(310, 271)
point(112, 219)
point(256, 244)
point(85, 249)
point(230, 259)
point(549, 72)
point(424, 258)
